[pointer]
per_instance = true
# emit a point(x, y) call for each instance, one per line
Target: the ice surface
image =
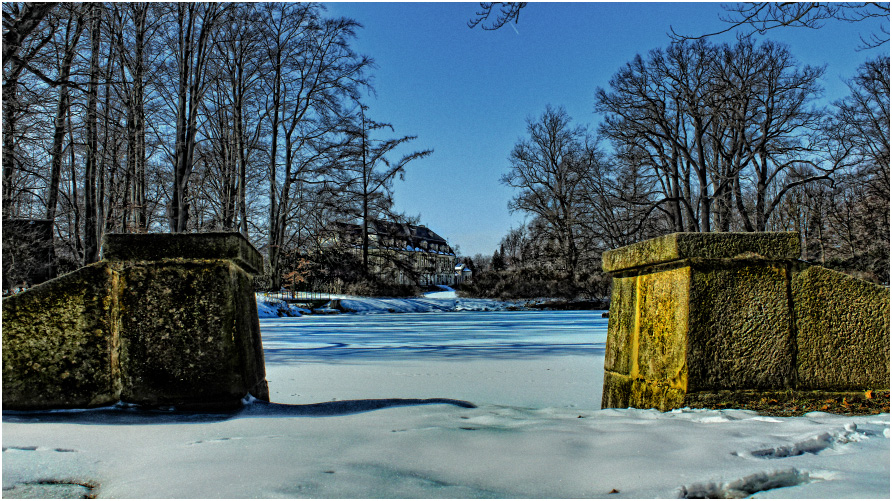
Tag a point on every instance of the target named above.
point(445, 404)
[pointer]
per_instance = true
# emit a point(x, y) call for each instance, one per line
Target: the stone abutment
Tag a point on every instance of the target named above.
point(163, 320)
point(728, 319)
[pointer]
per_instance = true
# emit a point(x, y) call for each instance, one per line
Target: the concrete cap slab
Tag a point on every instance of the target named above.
point(772, 246)
point(160, 246)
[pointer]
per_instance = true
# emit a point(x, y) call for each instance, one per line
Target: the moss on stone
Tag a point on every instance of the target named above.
point(621, 326)
point(740, 328)
point(181, 340)
point(771, 246)
point(59, 342)
point(842, 331)
point(726, 319)
point(659, 352)
point(144, 326)
point(617, 391)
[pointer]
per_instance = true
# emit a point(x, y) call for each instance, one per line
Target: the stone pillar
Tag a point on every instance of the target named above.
point(190, 335)
point(162, 320)
point(702, 319)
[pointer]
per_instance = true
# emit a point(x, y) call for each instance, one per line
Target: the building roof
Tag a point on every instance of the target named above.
point(412, 235)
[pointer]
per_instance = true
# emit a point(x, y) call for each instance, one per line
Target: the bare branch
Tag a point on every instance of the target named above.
point(509, 11)
point(760, 17)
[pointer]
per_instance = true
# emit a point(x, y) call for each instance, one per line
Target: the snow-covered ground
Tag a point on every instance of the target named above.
point(451, 404)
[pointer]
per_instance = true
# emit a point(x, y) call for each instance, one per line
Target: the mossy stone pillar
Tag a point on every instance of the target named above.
point(733, 319)
point(162, 320)
point(190, 335)
point(693, 314)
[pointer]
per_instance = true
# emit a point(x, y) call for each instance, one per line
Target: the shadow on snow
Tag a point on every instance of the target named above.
point(127, 414)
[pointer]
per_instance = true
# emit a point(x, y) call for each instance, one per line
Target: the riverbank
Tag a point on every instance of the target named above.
point(442, 299)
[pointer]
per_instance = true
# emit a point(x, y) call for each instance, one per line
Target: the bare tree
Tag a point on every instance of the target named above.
point(760, 17)
point(548, 168)
point(659, 112)
point(859, 127)
point(91, 214)
point(768, 125)
point(365, 174)
point(73, 28)
point(194, 25)
point(708, 119)
point(22, 42)
point(236, 120)
point(313, 71)
point(618, 203)
point(133, 26)
point(19, 20)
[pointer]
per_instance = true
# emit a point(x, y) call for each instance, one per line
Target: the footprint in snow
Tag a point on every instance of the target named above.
point(30, 448)
point(215, 440)
point(748, 485)
point(811, 445)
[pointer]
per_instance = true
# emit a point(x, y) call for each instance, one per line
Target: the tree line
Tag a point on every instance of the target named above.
point(185, 117)
point(700, 137)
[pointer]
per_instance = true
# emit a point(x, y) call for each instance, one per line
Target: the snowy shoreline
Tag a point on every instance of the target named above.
point(439, 301)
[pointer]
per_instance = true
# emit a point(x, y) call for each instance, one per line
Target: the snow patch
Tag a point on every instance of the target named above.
point(814, 444)
point(748, 485)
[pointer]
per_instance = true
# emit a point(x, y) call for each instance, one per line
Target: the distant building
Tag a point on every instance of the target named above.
point(462, 273)
point(403, 253)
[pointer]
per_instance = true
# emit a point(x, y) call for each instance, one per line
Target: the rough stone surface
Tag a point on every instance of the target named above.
point(60, 342)
point(143, 327)
point(180, 246)
point(740, 328)
point(645, 358)
point(843, 331)
point(180, 337)
point(660, 356)
point(621, 326)
point(677, 246)
point(731, 319)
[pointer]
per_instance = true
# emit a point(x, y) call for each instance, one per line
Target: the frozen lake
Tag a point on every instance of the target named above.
point(497, 334)
point(546, 358)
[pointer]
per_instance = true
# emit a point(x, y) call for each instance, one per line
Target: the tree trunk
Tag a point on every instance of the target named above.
point(176, 211)
point(275, 278)
point(139, 174)
point(59, 124)
point(10, 112)
point(91, 243)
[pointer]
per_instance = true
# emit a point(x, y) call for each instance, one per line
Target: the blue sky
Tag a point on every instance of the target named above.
point(467, 93)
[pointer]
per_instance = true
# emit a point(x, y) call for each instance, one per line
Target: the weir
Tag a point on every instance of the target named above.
point(729, 319)
point(161, 320)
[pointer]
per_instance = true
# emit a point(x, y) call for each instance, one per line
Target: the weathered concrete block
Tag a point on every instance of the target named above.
point(149, 326)
point(842, 331)
point(659, 362)
point(644, 350)
point(621, 326)
point(719, 319)
point(60, 342)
